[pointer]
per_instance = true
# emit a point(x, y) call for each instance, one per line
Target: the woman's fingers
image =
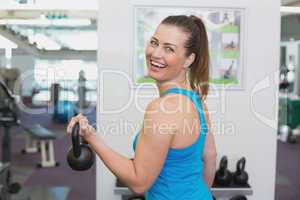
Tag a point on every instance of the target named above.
point(72, 122)
point(85, 128)
point(83, 122)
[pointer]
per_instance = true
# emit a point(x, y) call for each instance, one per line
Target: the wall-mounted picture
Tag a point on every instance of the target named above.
point(228, 69)
point(230, 42)
point(225, 34)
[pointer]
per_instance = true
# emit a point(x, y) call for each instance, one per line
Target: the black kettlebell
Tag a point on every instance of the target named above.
point(81, 156)
point(240, 177)
point(239, 197)
point(136, 197)
point(223, 175)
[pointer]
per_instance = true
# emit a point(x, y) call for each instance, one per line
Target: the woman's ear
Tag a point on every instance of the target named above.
point(189, 61)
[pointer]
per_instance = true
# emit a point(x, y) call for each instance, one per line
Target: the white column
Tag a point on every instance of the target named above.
point(8, 54)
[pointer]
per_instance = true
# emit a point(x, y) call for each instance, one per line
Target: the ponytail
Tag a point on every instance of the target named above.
point(199, 70)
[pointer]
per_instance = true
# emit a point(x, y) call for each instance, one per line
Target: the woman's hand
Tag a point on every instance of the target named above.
point(86, 130)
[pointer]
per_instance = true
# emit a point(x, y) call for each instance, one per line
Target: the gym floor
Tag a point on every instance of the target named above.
point(288, 173)
point(54, 183)
point(60, 183)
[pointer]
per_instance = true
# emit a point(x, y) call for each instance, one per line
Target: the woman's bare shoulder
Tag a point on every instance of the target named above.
point(168, 104)
point(167, 112)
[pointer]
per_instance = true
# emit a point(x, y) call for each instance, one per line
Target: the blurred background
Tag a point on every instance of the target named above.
point(48, 62)
point(288, 146)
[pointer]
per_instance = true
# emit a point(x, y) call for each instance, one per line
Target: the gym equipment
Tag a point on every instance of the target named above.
point(240, 177)
point(289, 101)
point(284, 132)
point(292, 138)
point(119, 183)
point(64, 110)
point(218, 192)
point(10, 77)
point(8, 118)
point(239, 197)
point(223, 175)
point(137, 197)
point(4, 175)
point(81, 90)
point(81, 156)
point(55, 90)
point(40, 137)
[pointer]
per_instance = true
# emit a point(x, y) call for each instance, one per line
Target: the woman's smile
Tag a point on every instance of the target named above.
point(157, 64)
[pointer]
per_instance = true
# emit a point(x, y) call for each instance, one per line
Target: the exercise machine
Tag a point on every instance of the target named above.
point(8, 119)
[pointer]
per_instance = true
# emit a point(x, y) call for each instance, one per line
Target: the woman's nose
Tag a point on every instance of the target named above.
point(157, 52)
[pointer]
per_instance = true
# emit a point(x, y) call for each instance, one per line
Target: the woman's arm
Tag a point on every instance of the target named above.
point(151, 150)
point(210, 152)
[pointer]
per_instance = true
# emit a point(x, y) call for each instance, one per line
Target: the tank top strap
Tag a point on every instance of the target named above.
point(195, 98)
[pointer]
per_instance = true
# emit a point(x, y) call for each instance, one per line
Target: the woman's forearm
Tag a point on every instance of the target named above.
point(209, 171)
point(119, 165)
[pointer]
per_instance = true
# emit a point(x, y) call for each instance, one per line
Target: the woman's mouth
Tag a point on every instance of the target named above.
point(157, 64)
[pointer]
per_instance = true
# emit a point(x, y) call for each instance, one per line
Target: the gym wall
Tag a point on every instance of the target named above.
point(252, 110)
point(25, 63)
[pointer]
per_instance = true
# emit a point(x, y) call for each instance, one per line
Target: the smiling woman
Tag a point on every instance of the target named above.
point(175, 152)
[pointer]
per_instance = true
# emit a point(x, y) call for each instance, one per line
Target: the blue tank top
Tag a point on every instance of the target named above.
point(181, 177)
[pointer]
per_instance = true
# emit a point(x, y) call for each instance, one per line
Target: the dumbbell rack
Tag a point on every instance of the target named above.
point(218, 192)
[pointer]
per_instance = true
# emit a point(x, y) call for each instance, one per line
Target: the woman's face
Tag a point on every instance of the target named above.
point(166, 54)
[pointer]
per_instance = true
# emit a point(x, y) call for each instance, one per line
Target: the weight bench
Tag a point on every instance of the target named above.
point(41, 139)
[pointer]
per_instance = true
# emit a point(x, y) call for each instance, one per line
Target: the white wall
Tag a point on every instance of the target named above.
point(252, 112)
point(25, 63)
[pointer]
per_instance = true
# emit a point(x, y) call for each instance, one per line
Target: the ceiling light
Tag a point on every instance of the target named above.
point(289, 9)
point(47, 22)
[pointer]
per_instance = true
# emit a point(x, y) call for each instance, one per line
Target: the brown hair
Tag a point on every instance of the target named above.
point(196, 43)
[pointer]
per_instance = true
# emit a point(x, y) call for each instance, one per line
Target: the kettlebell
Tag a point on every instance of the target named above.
point(239, 197)
point(223, 175)
point(81, 156)
point(240, 177)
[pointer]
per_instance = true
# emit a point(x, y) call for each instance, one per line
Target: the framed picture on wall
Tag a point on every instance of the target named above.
point(225, 33)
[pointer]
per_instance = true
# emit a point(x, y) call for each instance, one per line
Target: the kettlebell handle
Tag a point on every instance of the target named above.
point(76, 140)
point(241, 164)
point(223, 163)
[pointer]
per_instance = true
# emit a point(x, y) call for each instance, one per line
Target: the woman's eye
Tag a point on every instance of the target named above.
point(169, 49)
point(153, 43)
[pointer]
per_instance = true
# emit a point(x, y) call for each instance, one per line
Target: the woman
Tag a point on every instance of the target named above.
point(175, 153)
